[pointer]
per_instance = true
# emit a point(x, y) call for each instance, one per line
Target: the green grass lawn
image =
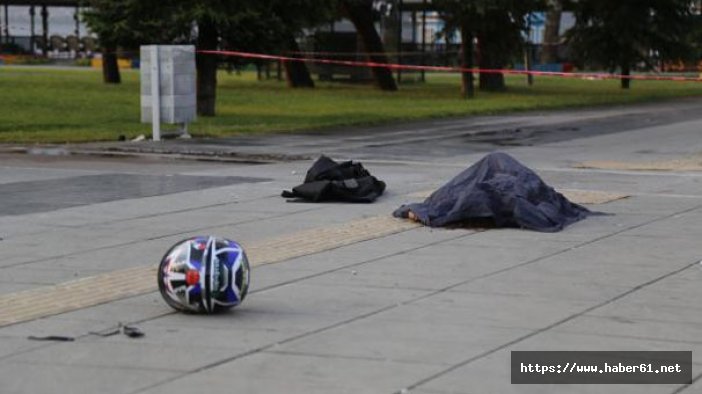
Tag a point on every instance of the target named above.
point(60, 105)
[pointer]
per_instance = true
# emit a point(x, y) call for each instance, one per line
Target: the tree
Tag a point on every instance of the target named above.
point(626, 33)
point(128, 24)
point(360, 13)
point(552, 30)
point(496, 25)
point(244, 25)
point(270, 26)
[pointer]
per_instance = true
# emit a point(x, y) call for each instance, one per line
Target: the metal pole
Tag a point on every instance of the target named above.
point(76, 17)
point(155, 94)
point(1, 34)
point(424, 36)
point(32, 12)
point(45, 29)
point(7, 24)
point(527, 53)
point(399, 39)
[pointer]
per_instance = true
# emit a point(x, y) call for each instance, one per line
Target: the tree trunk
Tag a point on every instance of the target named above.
point(296, 72)
point(549, 51)
point(491, 59)
point(467, 89)
point(626, 71)
point(361, 15)
point(110, 68)
point(206, 68)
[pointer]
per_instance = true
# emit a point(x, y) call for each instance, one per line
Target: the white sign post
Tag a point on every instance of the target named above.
point(155, 95)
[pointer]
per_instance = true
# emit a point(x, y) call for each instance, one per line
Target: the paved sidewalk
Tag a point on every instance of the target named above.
point(400, 309)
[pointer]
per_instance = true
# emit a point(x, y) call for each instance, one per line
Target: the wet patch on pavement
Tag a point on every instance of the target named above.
point(21, 198)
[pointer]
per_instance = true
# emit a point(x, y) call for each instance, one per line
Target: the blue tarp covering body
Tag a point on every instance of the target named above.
point(501, 189)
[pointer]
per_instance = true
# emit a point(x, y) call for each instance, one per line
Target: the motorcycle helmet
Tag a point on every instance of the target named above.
point(204, 274)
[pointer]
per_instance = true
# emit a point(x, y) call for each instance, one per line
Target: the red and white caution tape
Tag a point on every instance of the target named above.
point(394, 66)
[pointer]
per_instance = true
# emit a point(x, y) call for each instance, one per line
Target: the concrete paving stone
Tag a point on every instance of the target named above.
point(569, 341)
point(635, 183)
point(521, 282)
point(249, 325)
point(126, 310)
point(682, 224)
point(38, 250)
point(44, 274)
point(315, 215)
point(643, 252)
point(482, 250)
point(350, 255)
point(298, 307)
point(495, 309)
point(92, 319)
point(604, 225)
point(271, 275)
point(552, 279)
point(10, 345)
point(650, 204)
point(135, 254)
point(692, 274)
point(416, 237)
point(335, 259)
point(10, 227)
point(672, 331)
point(420, 340)
point(90, 238)
point(432, 268)
point(679, 289)
point(54, 325)
point(125, 353)
point(50, 379)
point(492, 374)
point(148, 206)
point(613, 271)
point(695, 387)
point(194, 331)
point(92, 262)
point(190, 221)
point(277, 373)
point(673, 245)
point(653, 307)
point(510, 238)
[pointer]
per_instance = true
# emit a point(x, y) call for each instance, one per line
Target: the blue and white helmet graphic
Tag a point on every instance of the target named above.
point(204, 274)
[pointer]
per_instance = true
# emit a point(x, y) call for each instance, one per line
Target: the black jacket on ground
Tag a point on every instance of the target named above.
point(328, 180)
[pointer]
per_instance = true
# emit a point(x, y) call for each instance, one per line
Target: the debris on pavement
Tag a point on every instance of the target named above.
point(58, 338)
point(130, 331)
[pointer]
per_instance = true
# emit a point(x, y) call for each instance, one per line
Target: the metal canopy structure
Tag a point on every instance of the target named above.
point(48, 3)
point(43, 5)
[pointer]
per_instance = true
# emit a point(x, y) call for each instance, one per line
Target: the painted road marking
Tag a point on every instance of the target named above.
point(94, 290)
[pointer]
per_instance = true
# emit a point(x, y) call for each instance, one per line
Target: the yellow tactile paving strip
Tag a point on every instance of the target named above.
point(573, 195)
point(82, 293)
point(686, 164)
